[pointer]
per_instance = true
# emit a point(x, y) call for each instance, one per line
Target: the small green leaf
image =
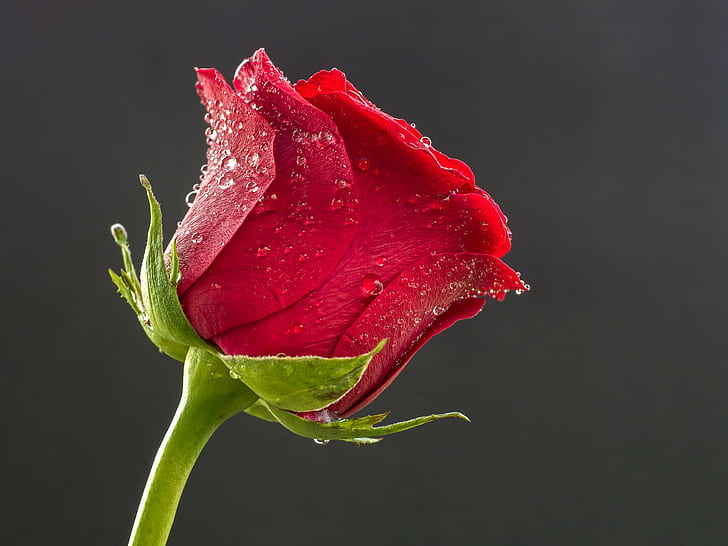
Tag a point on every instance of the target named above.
point(360, 430)
point(301, 383)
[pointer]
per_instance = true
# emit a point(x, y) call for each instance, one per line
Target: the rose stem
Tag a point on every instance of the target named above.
point(209, 397)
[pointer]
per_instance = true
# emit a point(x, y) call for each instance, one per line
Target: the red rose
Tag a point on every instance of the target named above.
point(323, 225)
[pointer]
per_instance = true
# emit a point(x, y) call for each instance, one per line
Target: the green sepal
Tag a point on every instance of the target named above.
point(360, 430)
point(159, 286)
point(300, 383)
point(153, 294)
point(130, 289)
point(257, 409)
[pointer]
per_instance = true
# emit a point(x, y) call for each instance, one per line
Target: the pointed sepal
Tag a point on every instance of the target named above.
point(300, 383)
point(361, 430)
point(130, 289)
point(153, 294)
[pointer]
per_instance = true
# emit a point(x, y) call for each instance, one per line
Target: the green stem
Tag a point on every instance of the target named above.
point(209, 397)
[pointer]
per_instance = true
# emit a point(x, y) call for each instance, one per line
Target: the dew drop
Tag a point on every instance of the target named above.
point(426, 141)
point(253, 158)
point(234, 375)
point(319, 442)
point(196, 238)
point(190, 197)
point(341, 183)
point(301, 160)
point(214, 286)
point(251, 186)
point(267, 203)
point(371, 285)
point(225, 183)
point(262, 251)
point(319, 253)
point(381, 261)
point(326, 137)
point(297, 328)
point(337, 203)
point(288, 249)
point(229, 164)
point(363, 164)
point(438, 310)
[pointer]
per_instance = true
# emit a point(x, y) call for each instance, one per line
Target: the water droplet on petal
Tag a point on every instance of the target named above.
point(371, 285)
point(196, 238)
point(337, 203)
point(326, 137)
point(267, 203)
point(426, 141)
point(225, 183)
point(230, 163)
point(253, 158)
point(297, 328)
point(341, 183)
point(381, 261)
point(319, 253)
point(251, 186)
point(262, 251)
point(363, 164)
point(214, 286)
point(190, 197)
point(438, 310)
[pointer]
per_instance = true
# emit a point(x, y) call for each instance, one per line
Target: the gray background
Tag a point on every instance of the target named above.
point(598, 401)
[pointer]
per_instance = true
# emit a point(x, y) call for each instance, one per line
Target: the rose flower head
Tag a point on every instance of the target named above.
point(323, 226)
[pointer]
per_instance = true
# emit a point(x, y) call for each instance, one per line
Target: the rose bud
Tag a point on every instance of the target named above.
point(321, 227)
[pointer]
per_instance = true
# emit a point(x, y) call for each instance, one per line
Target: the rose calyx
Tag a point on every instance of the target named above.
point(283, 384)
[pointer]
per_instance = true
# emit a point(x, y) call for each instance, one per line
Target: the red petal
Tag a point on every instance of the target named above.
point(299, 231)
point(371, 133)
point(422, 301)
point(237, 132)
point(411, 207)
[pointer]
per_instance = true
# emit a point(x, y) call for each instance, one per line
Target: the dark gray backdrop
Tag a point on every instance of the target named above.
point(598, 401)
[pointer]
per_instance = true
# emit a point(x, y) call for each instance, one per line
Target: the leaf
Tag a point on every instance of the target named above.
point(301, 383)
